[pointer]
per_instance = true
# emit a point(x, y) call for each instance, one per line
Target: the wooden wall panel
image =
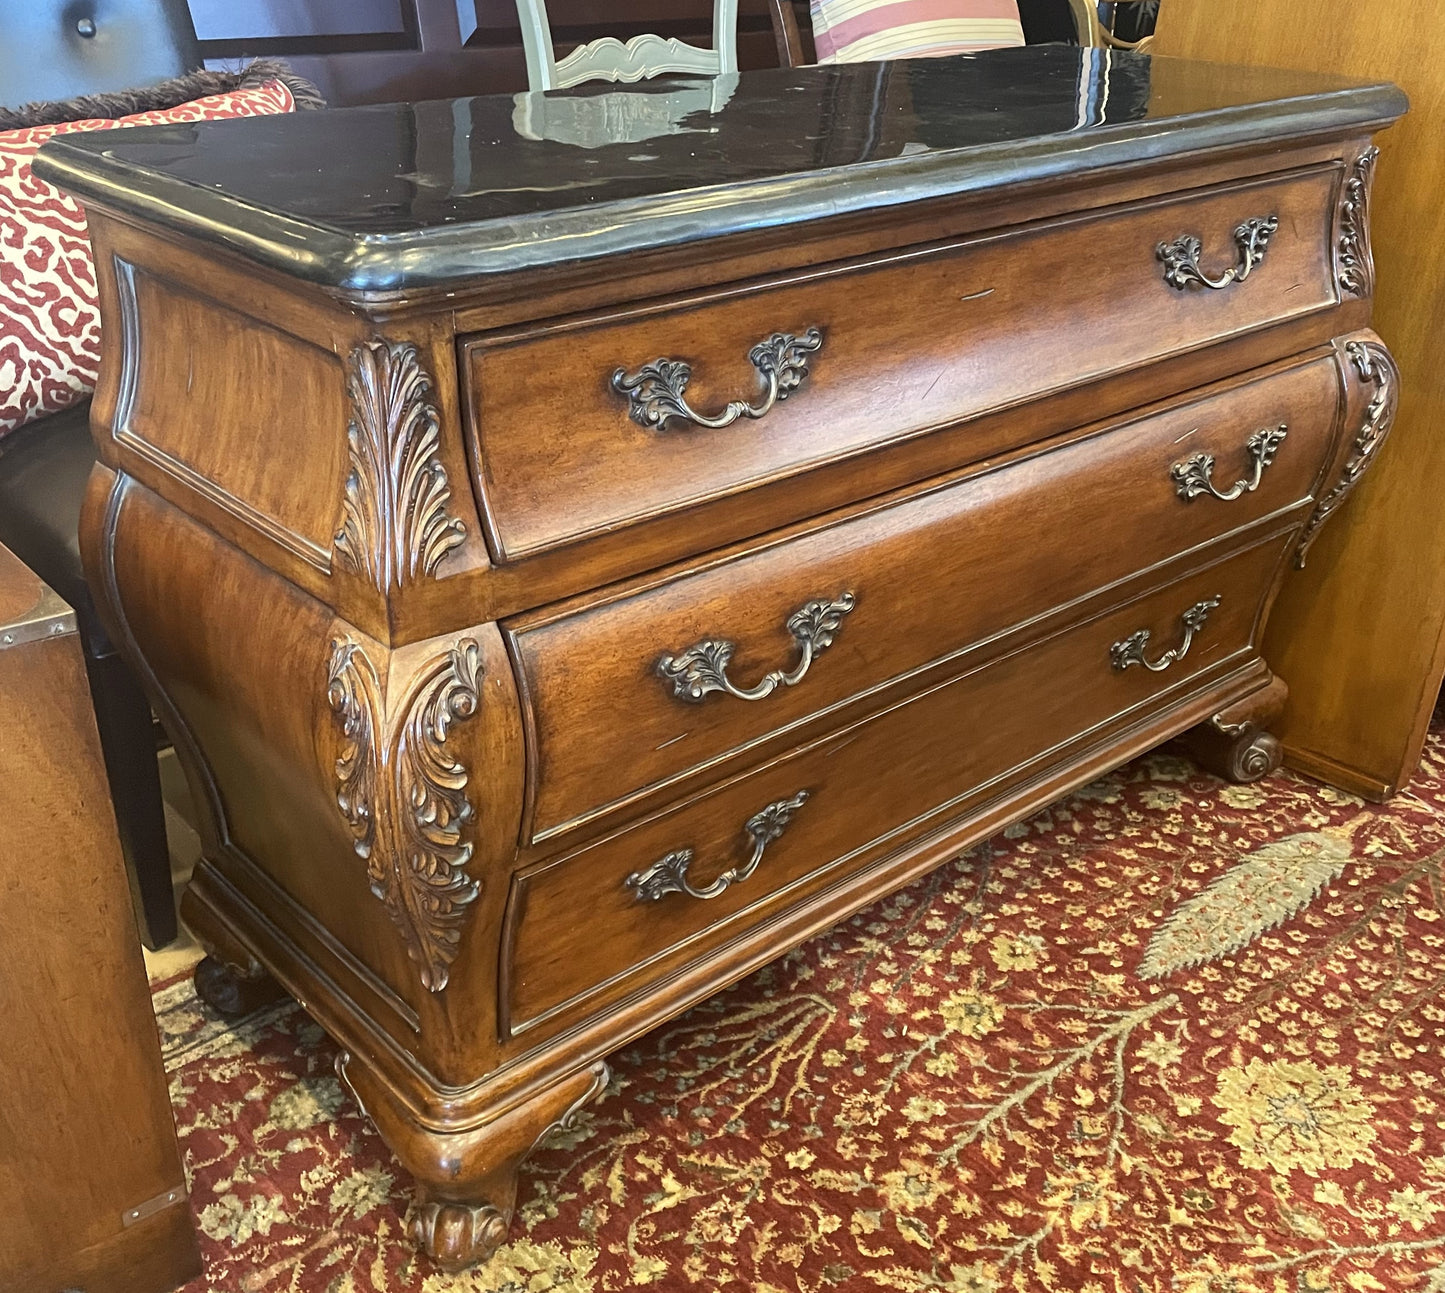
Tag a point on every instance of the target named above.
point(239, 20)
point(1360, 633)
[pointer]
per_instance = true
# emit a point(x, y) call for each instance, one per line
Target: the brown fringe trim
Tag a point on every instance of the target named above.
point(161, 96)
point(307, 96)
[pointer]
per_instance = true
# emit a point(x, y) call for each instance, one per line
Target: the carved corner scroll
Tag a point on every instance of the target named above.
point(1376, 368)
point(395, 525)
point(1355, 263)
point(404, 796)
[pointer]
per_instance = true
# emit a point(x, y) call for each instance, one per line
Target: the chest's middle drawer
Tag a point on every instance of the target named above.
point(664, 678)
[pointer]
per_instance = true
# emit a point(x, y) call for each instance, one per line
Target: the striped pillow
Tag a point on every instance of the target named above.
point(860, 31)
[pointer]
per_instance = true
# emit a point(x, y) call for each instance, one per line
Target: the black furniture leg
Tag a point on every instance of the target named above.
point(127, 740)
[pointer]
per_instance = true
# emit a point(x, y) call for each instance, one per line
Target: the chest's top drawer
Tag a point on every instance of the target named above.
point(632, 691)
point(592, 424)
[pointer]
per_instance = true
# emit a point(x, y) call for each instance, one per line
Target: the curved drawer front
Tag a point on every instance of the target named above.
point(687, 879)
point(633, 692)
point(595, 423)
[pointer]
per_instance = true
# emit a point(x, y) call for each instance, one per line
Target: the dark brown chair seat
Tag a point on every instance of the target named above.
point(53, 50)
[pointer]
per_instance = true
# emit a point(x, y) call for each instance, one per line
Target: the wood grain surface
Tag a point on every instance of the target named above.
point(86, 1136)
point(1360, 633)
point(403, 606)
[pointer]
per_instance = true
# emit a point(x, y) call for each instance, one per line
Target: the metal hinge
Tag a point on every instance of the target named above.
point(151, 1206)
point(49, 617)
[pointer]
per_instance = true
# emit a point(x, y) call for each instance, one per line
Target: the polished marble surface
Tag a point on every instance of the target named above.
point(405, 195)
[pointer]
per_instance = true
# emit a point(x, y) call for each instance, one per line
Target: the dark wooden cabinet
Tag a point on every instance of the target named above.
point(92, 1192)
point(575, 572)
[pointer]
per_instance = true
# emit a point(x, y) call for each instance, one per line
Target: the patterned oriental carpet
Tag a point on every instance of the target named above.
point(1168, 1035)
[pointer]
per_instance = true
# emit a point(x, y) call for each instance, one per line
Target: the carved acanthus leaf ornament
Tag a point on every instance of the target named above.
point(404, 796)
point(395, 525)
point(1356, 263)
point(1376, 368)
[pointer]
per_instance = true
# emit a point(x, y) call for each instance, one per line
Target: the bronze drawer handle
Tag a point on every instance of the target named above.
point(1131, 650)
point(1195, 476)
point(1181, 257)
point(703, 667)
point(669, 874)
point(656, 391)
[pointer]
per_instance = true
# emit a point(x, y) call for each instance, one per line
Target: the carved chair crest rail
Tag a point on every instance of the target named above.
point(609, 59)
point(568, 593)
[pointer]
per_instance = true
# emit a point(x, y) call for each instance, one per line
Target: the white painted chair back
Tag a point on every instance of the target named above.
point(609, 59)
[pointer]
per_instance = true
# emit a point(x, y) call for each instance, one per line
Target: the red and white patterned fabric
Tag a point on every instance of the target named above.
point(861, 31)
point(49, 322)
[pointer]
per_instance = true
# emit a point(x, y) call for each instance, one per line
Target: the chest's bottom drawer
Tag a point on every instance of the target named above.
point(606, 920)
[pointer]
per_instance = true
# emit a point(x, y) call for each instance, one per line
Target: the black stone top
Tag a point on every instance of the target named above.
point(408, 195)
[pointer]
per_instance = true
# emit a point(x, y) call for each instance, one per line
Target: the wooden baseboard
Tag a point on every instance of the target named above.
point(156, 1255)
point(1333, 773)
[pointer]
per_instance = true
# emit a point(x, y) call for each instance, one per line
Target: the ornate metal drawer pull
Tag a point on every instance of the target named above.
point(669, 874)
point(703, 667)
point(1131, 650)
point(656, 391)
point(1195, 476)
point(1181, 257)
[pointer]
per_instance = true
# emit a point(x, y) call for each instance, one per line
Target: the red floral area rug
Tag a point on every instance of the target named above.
point(1169, 1035)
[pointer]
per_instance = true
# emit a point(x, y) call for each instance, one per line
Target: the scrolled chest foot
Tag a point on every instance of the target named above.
point(229, 979)
point(1244, 757)
point(233, 991)
point(457, 1235)
point(1234, 743)
point(466, 1179)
